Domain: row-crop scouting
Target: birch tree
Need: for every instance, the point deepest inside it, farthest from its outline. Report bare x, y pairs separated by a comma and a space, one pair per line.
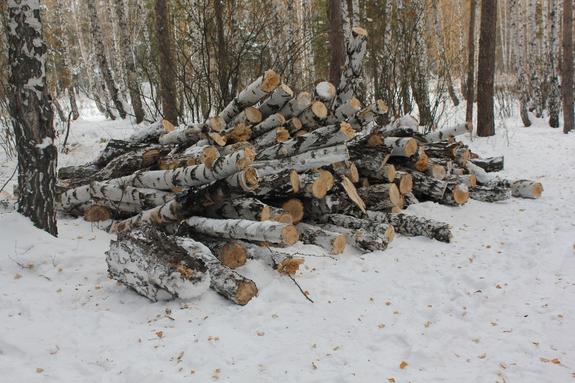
32, 114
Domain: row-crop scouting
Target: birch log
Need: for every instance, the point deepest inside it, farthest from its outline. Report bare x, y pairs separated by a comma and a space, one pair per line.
373, 236
444, 134
271, 122
320, 138
296, 106
324, 91
257, 90
526, 189
280, 260
275, 102
223, 280
492, 192
153, 265
345, 111
241, 208
268, 231
491, 164
191, 134
410, 225
334, 243
313, 116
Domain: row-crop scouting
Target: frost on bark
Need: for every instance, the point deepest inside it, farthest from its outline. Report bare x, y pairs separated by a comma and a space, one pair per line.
129, 62
100, 53
32, 115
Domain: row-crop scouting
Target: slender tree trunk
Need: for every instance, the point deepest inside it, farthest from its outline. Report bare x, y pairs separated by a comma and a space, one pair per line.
32, 114
567, 67
98, 40
168, 89
336, 40
67, 74
442, 52
471, 63
129, 63
222, 59
486, 69
419, 78
554, 96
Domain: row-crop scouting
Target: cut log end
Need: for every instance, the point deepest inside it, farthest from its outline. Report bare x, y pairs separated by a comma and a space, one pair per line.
411, 147
422, 162
240, 133
282, 218
395, 195
97, 213
319, 110
233, 255
218, 138
381, 106
339, 243
253, 115
209, 155
168, 126
245, 291
347, 129
250, 178
359, 31
248, 158
294, 181
295, 208
270, 81
290, 265
389, 233
327, 178
405, 183
289, 235
282, 134
216, 124
460, 194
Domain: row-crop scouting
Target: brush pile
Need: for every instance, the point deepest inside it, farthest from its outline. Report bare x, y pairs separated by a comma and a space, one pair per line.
192, 203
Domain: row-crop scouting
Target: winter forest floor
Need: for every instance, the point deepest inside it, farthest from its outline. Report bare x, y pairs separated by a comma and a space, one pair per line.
496, 305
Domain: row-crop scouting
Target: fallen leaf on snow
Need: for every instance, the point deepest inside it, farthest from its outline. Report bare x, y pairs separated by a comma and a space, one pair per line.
160, 334
403, 364
39, 370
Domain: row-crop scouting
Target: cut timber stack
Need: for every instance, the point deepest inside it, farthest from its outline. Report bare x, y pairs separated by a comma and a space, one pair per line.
192, 204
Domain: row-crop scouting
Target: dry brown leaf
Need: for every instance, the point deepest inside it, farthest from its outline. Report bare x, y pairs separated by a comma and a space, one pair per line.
160, 334
39, 370
403, 364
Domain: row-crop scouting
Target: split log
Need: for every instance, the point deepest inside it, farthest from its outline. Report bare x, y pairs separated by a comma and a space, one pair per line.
268, 231
490, 164
410, 225
155, 266
313, 116
189, 135
444, 134
492, 192
296, 105
325, 91
309, 160
257, 90
275, 102
325, 136
223, 280
334, 243
284, 263
526, 189
271, 122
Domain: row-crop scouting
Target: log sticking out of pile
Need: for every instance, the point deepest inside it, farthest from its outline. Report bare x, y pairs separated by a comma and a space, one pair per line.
273, 168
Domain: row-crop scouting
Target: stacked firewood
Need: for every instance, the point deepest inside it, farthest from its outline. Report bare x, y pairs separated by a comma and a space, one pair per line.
192, 203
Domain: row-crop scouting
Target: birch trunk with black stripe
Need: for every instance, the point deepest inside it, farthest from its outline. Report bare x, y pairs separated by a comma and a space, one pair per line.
367, 115
189, 135
296, 105
428, 187
223, 280
309, 160
313, 116
275, 102
351, 83
268, 231
243, 208
194, 155
271, 138
155, 266
526, 189
411, 226
251, 95
490, 164
491, 192
271, 122
345, 111
381, 197
320, 138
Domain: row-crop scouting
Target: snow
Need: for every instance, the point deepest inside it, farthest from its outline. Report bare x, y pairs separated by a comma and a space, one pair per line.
496, 305
46, 142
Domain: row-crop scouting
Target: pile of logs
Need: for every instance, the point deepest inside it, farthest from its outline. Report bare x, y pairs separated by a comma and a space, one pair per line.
191, 204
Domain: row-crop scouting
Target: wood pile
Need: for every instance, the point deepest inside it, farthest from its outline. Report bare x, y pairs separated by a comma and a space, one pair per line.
190, 204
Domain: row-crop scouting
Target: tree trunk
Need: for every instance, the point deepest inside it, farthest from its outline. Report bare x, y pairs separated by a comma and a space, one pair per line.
471, 64
129, 63
168, 90
567, 67
32, 115
98, 40
336, 40
410, 225
486, 69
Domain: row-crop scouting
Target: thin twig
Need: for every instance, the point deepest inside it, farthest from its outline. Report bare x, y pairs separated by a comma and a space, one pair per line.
290, 277
9, 179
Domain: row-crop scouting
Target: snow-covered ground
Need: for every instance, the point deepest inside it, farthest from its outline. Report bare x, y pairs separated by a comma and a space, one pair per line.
496, 305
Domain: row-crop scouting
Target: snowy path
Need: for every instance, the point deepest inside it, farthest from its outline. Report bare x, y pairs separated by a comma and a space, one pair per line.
497, 305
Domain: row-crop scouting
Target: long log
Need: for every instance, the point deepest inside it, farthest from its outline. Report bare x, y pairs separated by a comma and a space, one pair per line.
490, 164
444, 134
224, 280
373, 236
491, 192
188, 135
410, 225
296, 106
241, 208
155, 266
275, 102
268, 231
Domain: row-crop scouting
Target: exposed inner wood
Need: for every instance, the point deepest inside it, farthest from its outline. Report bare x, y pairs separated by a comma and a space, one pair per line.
295, 208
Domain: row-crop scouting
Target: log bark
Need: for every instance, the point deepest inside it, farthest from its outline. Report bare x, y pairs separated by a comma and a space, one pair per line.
490, 164
271, 122
526, 189
368, 235
381, 197
223, 280
490, 193
313, 116
296, 106
326, 136
241, 208
350, 83
428, 188
410, 225
309, 160
444, 134
191, 134
275, 102
273, 137
334, 243
249, 116
194, 155
368, 115
344, 112
155, 266
254, 92
268, 231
